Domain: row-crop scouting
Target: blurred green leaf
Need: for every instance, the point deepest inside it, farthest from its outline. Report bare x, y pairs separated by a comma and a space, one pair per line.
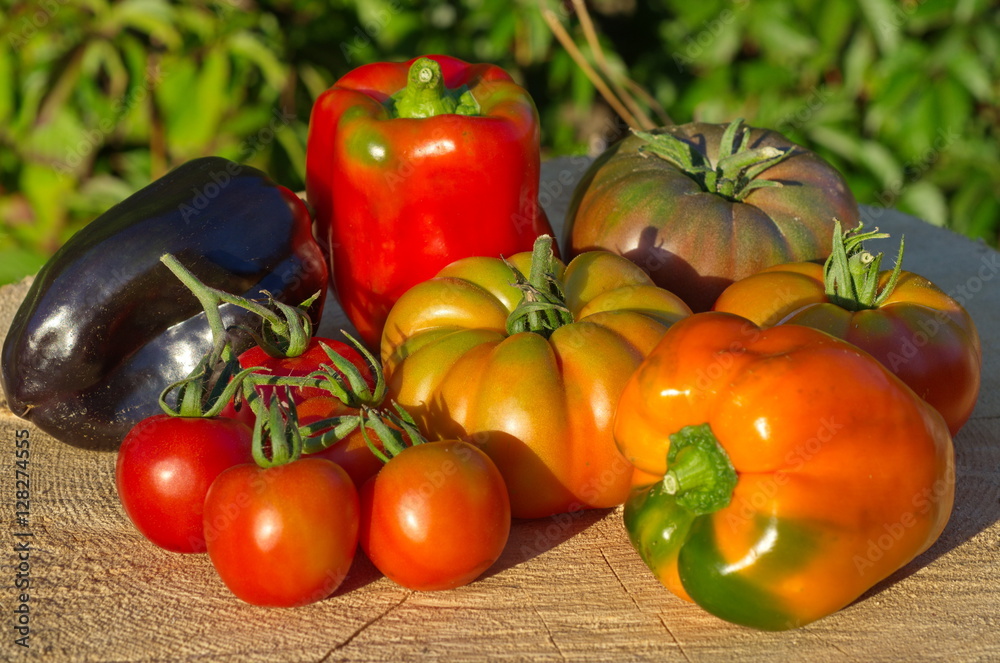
155, 18
846, 144
880, 162
6, 84
885, 21
17, 262
248, 45
46, 192
925, 201
858, 60
972, 73
195, 97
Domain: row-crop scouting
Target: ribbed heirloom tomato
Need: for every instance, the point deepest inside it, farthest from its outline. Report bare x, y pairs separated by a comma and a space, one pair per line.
921, 334
530, 369
701, 205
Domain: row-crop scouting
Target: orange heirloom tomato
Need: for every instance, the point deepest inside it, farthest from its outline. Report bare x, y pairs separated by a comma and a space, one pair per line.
921, 334
530, 369
794, 471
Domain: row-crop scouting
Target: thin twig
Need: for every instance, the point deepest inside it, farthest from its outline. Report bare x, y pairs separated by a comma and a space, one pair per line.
560, 32
651, 101
602, 62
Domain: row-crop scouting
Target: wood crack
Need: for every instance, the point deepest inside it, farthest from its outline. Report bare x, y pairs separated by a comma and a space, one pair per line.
548, 632
364, 627
666, 627
842, 652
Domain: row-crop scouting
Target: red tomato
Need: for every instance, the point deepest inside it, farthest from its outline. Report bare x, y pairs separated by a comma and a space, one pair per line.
282, 536
352, 452
298, 366
436, 516
164, 469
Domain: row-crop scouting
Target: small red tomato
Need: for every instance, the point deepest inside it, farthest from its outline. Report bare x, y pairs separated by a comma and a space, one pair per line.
298, 366
285, 535
164, 469
351, 452
436, 516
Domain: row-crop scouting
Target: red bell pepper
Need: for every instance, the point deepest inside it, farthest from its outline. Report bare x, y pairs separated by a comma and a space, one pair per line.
411, 166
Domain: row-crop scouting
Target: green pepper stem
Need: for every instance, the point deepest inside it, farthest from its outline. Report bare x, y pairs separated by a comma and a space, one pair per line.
699, 472
692, 470
425, 94
851, 274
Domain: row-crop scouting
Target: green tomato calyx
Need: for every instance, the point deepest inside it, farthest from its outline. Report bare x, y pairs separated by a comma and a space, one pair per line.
699, 474
542, 308
425, 94
851, 274
403, 432
733, 176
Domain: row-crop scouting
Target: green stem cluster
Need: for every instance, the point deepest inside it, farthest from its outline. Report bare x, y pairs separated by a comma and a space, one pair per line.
542, 308
286, 330
340, 379
277, 425
734, 175
851, 274
207, 390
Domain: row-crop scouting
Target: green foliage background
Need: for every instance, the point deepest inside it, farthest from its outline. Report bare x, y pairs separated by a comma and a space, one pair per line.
99, 97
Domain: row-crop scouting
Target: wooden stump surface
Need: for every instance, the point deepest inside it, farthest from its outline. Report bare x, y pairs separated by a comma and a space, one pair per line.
568, 587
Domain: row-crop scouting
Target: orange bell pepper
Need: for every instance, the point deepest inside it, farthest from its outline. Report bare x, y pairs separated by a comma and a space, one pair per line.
795, 471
